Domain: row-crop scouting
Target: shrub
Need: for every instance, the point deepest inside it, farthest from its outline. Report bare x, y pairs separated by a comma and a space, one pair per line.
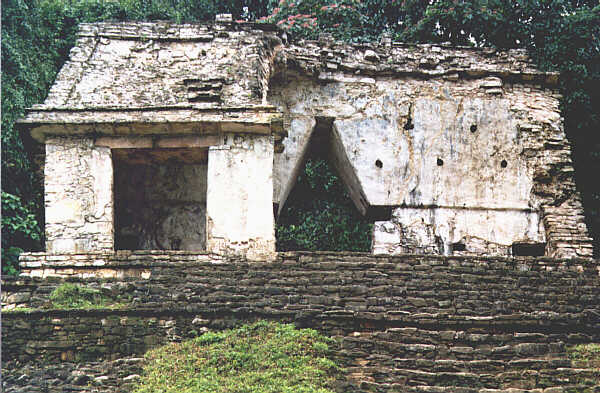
320, 216
265, 357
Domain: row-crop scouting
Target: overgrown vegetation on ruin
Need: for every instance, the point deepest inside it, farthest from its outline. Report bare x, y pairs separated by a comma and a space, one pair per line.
320, 215
586, 356
562, 35
71, 296
263, 357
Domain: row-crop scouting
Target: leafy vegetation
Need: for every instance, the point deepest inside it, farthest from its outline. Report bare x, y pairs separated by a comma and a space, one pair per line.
319, 214
69, 296
561, 35
261, 358
586, 355
21, 228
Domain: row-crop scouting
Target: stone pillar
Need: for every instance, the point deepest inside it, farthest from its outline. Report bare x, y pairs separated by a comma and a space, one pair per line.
78, 196
239, 201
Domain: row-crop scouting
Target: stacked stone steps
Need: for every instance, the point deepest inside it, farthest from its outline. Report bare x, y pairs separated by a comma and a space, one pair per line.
506, 348
400, 388
407, 324
523, 379
116, 376
413, 359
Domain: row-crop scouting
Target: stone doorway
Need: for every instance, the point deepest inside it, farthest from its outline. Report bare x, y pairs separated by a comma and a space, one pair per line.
160, 198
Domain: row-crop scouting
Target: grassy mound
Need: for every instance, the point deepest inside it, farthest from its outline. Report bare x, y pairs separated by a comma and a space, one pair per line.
265, 357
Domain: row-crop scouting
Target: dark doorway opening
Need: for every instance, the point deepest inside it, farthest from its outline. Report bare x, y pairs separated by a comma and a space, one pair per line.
160, 199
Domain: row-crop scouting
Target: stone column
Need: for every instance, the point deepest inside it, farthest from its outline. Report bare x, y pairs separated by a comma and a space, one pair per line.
239, 201
78, 196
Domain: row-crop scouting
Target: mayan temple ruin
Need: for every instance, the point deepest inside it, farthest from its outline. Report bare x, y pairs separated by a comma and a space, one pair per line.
170, 151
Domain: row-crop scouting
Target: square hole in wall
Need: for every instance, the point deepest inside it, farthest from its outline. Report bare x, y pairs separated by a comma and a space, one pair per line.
160, 199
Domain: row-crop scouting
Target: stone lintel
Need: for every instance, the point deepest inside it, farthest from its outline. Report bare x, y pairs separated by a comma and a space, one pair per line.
158, 142
151, 121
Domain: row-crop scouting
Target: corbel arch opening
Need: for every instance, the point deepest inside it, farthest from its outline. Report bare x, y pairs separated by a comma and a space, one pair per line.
323, 206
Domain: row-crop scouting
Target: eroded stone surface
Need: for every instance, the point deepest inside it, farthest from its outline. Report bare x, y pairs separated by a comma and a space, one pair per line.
78, 196
458, 161
239, 197
466, 146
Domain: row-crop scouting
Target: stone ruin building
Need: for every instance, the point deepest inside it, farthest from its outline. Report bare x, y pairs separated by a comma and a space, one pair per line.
170, 151
191, 137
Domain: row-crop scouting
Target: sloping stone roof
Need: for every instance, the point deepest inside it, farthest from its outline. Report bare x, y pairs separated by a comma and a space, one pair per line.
201, 79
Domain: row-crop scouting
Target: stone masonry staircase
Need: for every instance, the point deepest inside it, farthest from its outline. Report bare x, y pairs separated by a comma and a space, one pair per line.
402, 324
420, 360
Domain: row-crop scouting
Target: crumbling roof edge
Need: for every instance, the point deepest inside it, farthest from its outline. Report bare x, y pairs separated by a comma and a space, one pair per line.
166, 30
172, 31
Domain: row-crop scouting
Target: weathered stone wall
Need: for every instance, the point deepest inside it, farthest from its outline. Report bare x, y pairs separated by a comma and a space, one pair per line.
160, 206
400, 322
160, 64
466, 153
117, 376
377, 356
78, 191
239, 199
363, 285
464, 145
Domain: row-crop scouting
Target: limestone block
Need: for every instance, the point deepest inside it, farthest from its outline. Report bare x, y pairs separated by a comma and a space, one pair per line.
78, 196
240, 196
437, 230
438, 159
65, 211
288, 164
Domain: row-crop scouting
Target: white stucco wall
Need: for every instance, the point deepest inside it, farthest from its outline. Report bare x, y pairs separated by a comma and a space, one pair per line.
78, 196
239, 200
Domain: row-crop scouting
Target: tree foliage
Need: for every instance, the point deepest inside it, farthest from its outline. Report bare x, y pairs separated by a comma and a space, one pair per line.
561, 35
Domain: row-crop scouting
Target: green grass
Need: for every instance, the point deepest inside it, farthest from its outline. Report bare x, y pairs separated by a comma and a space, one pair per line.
265, 357
70, 296
585, 355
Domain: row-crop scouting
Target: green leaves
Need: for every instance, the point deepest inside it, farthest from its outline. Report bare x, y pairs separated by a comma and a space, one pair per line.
19, 228
319, 215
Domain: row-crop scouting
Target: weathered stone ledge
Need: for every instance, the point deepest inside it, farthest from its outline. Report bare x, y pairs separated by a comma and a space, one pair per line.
183, 120
149, 258
340, 285
389, 356
167, 31
578, 325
